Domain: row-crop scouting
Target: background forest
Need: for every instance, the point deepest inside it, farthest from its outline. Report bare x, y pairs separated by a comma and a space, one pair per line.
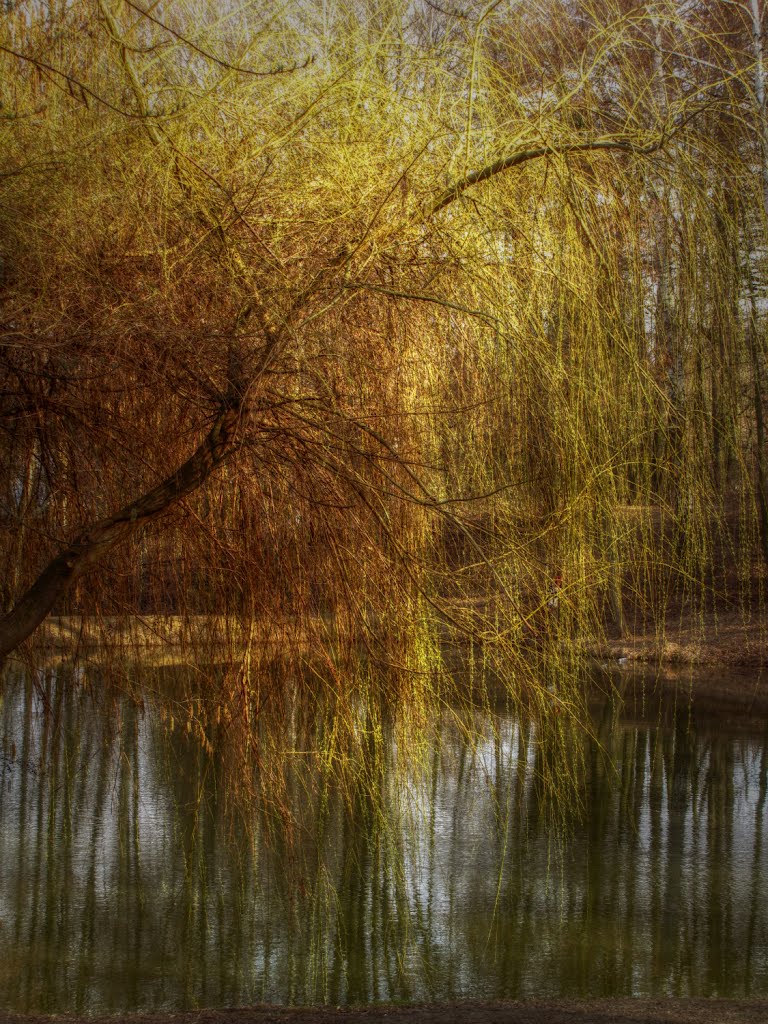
378, 325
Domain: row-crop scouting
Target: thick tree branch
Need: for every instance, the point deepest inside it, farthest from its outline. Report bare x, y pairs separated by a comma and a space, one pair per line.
96, 541
522, 156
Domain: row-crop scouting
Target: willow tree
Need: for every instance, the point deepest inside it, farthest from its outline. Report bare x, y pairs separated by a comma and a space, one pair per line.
326, 314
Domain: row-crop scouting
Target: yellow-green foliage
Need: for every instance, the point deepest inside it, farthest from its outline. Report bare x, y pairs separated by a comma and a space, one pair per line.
513, 262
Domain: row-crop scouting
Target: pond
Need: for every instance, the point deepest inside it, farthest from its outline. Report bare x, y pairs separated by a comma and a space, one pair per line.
125, 885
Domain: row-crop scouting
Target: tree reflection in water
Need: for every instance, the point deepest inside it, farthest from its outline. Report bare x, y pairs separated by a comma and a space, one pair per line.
124, 885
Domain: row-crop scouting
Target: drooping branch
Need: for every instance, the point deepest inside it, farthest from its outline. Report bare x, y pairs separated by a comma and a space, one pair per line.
271, 72
77, 87
522, 156
97, 540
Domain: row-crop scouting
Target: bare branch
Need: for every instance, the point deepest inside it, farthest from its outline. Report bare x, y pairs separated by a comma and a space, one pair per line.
76, 83
238, 68
522, 156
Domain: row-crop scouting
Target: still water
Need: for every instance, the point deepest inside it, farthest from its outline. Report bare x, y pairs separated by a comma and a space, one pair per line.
124, 885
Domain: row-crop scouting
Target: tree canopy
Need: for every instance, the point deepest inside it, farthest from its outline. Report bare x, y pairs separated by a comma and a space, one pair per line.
381, 321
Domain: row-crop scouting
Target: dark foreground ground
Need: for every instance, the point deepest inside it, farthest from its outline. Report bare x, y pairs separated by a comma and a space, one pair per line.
563, 1011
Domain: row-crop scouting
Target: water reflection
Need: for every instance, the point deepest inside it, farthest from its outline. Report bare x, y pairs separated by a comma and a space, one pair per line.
123, 885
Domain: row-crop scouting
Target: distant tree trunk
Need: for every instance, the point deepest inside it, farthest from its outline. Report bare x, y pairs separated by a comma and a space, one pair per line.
752, 330
95, 541
758, 43
667, 349
758, 46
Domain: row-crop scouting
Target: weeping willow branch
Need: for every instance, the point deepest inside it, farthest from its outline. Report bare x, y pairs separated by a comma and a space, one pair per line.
522, 156
94, 543
355, 418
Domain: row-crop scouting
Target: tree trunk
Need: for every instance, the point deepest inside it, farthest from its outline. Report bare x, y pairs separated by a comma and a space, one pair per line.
94, 542
25, 500
758, 48
752, 330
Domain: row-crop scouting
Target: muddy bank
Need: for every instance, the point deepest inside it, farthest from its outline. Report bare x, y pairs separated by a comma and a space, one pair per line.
717, 661
725, 638
708, 665
681, 691
564, 1011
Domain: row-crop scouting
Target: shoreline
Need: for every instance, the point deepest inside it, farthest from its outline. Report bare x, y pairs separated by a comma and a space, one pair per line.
711, 665
713, 640
723, 638
717, 661
715, 665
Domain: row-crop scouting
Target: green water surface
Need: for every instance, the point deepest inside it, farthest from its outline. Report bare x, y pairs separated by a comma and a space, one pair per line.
125, 884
